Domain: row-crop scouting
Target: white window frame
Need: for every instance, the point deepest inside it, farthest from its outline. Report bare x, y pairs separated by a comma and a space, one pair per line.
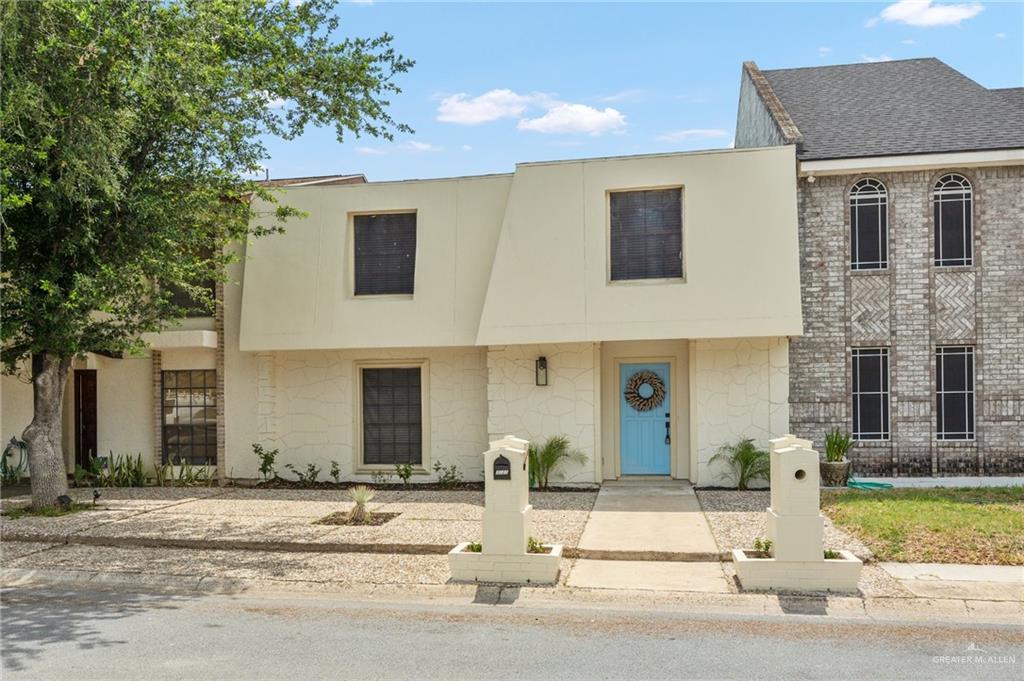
424, 367
971, 414
953, 187
882, 395
869, 192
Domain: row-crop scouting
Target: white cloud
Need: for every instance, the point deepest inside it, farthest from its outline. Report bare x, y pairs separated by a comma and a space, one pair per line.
926, 13
875, 60
575, 118
824, 50
467, 147
1000, 36
490, 106
623, 96
412, 145
692, 134
361, 2
909, 41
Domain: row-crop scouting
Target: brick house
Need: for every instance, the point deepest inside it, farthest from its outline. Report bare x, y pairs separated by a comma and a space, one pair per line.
911, 221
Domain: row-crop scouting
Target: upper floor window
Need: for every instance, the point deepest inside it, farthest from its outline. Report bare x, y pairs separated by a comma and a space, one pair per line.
869, 225
954, 392
385, 253
952, 199
647, 234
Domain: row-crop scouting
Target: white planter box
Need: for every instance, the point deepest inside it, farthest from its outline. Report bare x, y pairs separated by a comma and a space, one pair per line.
834, 574
525, 568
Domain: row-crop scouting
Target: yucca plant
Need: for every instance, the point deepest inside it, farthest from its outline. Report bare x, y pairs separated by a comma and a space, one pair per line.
361, 495
748, 463
837, 444
544, 459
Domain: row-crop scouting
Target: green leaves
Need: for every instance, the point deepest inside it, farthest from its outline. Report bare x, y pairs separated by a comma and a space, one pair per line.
746, 462
130, 134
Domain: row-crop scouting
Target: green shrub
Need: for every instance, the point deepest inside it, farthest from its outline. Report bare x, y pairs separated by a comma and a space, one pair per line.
746, 461
308, 477
404, 472
266, 457
545, 458
535, 546
830, 554
763, 545
447, 476
474, 547
837, 444
335, 472
119, 470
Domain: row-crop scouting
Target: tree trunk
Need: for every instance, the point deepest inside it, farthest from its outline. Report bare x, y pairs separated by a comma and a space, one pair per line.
43, 435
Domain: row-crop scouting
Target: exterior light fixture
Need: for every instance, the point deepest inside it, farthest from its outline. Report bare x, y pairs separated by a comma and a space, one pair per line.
542, 371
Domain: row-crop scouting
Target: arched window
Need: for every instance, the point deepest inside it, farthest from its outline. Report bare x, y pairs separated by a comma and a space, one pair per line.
869, 225
951, 200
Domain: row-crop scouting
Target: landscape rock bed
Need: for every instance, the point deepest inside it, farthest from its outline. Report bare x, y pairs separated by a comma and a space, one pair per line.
738, 518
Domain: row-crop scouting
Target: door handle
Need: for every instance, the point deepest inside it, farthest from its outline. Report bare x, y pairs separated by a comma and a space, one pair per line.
668, 428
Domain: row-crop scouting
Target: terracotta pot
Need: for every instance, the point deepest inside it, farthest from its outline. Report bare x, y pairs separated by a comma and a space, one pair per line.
835, 474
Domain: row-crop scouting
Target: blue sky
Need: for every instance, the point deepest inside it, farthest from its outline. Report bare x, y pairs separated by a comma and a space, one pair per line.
496, 84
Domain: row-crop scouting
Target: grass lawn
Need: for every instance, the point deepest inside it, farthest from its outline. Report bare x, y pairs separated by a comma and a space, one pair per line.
981, 526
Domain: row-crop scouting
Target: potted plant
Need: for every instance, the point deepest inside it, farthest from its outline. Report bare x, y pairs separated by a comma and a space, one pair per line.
835, 469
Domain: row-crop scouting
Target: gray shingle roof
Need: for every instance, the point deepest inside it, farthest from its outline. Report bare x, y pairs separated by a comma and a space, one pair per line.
915, 106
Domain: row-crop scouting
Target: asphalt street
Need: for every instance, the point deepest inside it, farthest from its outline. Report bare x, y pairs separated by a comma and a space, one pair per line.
85, 633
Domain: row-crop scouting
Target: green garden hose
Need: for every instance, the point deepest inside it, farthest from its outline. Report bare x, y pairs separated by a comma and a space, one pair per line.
860, 484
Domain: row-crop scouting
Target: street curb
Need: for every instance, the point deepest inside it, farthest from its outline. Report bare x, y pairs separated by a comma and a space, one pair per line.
751, 605
336, 547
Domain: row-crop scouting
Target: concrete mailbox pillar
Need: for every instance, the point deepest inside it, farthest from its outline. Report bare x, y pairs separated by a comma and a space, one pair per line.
796, 528
795, 524
507, 525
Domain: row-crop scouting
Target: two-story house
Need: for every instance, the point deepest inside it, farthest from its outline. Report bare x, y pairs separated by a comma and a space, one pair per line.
856, 262
911, 200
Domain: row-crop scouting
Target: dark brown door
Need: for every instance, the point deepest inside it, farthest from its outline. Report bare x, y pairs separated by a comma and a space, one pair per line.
85, 416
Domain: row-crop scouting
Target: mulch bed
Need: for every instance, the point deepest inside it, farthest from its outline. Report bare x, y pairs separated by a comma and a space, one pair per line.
281, 483
341, 518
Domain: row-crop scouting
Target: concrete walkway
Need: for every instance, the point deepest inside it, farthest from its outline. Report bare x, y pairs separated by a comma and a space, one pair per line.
650, 535
948, 580
647, 520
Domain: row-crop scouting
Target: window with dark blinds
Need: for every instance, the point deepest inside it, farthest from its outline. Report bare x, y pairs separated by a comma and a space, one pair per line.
647, 234
385, 253
954, 378
392, 416
189, 416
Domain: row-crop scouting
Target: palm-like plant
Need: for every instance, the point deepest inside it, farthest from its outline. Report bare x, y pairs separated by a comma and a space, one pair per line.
361, 495
748, 463
547, 457
837, 444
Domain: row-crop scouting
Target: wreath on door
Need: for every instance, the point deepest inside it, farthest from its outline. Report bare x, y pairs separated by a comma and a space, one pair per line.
644, 391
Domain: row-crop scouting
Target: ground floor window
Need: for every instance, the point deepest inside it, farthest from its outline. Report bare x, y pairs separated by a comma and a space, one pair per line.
189, 416
871, 393
392, 415
954, 388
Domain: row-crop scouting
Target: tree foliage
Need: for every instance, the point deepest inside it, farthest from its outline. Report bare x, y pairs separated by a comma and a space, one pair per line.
129, 132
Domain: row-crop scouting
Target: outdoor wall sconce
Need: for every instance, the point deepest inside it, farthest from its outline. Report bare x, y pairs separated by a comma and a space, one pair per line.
542, 371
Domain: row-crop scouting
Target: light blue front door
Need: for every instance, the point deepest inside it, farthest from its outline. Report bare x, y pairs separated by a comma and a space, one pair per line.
644, 419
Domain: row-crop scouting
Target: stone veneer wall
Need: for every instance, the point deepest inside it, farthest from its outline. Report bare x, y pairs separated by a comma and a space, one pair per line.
568, 405
305, 403
740, 389
910, 308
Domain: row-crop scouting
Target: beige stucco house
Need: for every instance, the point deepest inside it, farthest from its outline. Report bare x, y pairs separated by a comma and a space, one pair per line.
640, 305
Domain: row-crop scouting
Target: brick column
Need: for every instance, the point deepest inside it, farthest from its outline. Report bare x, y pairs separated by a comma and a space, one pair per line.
158, 407
218, 326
